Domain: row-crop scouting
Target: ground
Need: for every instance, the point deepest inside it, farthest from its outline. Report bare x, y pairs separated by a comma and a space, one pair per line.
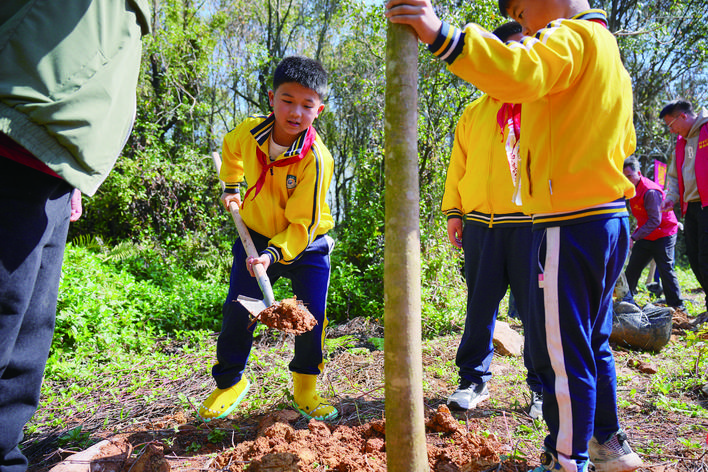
265, 434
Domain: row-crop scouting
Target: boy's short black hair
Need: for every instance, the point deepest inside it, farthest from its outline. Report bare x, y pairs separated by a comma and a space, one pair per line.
304, 71
507, 30
631, 162
503, 5
681, 105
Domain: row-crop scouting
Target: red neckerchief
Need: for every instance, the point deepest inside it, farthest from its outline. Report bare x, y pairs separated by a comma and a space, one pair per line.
510, 111
266, 163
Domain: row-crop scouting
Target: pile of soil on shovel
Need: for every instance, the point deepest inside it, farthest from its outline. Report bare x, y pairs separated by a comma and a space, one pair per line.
289, 316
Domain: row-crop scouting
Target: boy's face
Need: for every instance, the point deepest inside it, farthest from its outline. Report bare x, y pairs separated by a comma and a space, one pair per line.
295, 108
534, 15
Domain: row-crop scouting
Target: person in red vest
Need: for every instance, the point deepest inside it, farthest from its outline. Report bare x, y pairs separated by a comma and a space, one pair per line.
655, 236
687, 180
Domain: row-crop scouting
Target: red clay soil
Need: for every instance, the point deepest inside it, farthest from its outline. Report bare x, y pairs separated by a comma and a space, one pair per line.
279, 445
289, 316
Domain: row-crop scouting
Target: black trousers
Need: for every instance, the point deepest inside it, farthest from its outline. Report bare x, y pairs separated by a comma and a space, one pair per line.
34, 220
695, 227
662, 251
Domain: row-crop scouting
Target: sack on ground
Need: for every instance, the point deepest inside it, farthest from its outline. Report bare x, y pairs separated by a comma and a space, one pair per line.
647, 329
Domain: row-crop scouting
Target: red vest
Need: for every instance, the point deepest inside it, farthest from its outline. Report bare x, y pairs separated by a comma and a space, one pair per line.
701, 166
669, 223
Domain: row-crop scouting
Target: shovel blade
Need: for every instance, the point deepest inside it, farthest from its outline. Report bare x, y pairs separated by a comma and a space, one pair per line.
254, 306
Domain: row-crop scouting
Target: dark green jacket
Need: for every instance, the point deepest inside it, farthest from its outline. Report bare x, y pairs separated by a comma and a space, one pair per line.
68, 74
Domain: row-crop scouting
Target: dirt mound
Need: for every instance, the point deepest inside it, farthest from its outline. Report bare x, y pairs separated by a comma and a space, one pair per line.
279, 446
289, 316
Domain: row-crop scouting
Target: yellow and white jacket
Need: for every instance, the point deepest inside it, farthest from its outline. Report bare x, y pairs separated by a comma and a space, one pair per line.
290, 208
576, 114
479, 186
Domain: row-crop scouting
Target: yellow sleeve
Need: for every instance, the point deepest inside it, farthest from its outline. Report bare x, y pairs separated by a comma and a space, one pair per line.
514, 72
232, 159
452, 200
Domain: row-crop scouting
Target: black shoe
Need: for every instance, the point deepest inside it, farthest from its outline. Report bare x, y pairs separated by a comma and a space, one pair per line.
655, 288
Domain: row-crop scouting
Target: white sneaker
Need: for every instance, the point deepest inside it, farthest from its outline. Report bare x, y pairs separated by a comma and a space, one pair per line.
614, 455
536, 407
467, 395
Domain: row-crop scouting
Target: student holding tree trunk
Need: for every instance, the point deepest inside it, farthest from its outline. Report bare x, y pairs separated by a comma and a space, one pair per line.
484, 221
288, 170
576, 111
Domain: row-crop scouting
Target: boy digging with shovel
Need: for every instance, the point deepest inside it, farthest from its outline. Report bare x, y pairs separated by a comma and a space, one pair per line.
288, 170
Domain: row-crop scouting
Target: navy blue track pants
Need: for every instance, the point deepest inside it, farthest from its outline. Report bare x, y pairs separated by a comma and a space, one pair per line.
495, 259
569, 332
309, 275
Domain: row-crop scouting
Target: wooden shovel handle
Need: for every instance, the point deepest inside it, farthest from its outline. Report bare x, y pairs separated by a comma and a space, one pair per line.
245, 235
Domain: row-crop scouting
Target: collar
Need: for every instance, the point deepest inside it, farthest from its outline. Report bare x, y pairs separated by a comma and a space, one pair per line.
261, 132
595, 15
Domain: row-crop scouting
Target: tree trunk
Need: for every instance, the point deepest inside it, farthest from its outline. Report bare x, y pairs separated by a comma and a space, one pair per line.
405, 427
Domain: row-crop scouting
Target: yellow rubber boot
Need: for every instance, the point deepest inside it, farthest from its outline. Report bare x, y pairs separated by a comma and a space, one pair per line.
308, 402
222, 402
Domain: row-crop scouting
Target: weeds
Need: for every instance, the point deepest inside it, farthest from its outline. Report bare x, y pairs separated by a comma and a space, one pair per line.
75, 438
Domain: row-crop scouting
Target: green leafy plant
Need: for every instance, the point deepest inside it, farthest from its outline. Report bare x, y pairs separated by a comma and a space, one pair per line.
216, 436
194, 447
75, 437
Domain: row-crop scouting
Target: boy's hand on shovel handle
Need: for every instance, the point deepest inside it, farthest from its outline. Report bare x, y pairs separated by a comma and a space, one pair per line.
227, 198
263, 260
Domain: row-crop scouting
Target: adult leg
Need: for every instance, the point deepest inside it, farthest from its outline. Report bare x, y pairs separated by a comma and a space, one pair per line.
702, 262
639, 257
663, 253
692, 234
34, 220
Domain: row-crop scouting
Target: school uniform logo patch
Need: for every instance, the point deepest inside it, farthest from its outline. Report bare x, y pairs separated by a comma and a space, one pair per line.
291, 181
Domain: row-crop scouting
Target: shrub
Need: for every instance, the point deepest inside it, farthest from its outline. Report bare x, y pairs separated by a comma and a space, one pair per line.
108, 302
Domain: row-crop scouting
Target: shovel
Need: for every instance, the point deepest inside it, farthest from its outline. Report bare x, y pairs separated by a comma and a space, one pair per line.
254, 306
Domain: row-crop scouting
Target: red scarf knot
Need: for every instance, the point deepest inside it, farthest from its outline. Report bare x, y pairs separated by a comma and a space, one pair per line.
266, 164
